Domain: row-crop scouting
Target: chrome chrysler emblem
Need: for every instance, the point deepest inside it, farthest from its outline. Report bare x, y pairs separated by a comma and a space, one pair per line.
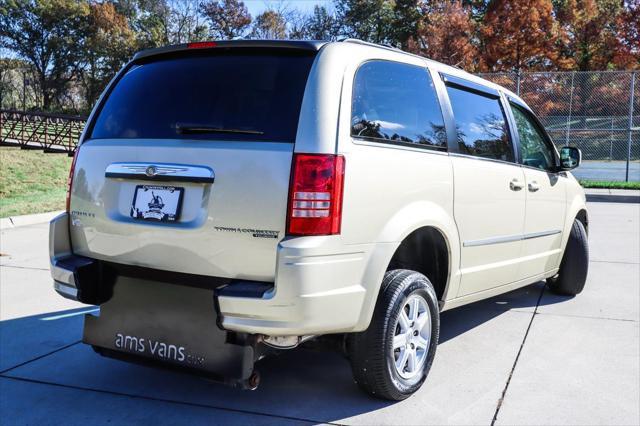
151, 171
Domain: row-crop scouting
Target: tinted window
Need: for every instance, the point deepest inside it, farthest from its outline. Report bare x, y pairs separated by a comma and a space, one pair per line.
480, 125
256, 93
533, 148
395, 102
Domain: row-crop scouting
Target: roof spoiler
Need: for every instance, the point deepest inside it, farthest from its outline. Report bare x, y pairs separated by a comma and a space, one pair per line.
280, 44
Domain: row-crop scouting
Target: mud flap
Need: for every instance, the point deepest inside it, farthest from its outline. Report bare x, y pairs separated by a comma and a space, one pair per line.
171, 325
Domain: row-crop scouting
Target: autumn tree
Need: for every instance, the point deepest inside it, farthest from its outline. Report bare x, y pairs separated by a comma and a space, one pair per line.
627, 55
446, 33
227, 19
270, 24
519, 35
590, 34
109, 45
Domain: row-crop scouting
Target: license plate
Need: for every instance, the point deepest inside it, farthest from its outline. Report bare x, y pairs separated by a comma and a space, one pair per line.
159, 203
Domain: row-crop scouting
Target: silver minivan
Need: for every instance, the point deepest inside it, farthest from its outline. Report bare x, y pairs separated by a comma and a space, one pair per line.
230, 199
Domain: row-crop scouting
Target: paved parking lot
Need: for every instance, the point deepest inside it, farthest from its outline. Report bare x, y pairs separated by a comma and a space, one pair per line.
527, 357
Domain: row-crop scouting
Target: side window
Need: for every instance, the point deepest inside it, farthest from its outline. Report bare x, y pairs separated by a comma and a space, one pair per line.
481, 126
534, 151
396, 103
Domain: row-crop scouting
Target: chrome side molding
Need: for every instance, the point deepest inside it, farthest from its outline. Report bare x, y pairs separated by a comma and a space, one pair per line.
160, 172
509, 238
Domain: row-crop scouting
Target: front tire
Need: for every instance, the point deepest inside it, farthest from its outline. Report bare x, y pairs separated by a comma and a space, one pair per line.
391, 359
572, 277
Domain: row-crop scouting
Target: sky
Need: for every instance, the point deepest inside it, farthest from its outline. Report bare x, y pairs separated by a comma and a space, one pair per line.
258, 6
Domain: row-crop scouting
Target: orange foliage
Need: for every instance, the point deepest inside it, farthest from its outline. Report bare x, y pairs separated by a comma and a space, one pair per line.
627, 56
446, 34
519, 35
592, 33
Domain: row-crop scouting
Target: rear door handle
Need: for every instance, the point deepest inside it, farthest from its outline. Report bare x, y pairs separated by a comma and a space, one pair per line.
533, 186
516, 185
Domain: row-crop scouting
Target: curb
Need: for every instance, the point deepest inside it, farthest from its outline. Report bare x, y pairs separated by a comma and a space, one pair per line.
28, 219
598, 195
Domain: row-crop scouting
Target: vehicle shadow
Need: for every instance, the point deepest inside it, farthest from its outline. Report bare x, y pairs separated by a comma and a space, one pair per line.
299, 384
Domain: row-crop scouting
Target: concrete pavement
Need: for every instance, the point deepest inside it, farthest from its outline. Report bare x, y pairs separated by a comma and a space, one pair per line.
526, 357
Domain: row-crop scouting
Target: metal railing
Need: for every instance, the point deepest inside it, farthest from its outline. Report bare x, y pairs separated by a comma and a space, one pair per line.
37, 130
597, 111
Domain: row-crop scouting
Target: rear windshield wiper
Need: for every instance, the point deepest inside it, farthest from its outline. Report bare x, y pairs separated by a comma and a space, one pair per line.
186, 129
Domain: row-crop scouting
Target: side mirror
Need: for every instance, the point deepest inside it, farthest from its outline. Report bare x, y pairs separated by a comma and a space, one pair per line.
570, 157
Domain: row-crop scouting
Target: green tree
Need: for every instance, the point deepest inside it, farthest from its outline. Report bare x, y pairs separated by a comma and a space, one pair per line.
320, 25
150, 20
50, 35
369, 20
406, 16
227, 18
13, 73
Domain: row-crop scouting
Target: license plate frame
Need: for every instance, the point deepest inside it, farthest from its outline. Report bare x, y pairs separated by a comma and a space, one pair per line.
155, 209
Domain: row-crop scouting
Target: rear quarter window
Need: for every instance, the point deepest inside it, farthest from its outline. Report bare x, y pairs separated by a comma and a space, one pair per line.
396, 103
247, 95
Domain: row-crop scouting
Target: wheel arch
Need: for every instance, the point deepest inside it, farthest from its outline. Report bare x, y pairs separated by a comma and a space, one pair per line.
576, 210
583, 217
425, 250
415, 221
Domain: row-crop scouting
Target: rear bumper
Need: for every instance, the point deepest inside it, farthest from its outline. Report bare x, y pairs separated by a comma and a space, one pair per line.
319, 289
320, 285
64, 281
75, 277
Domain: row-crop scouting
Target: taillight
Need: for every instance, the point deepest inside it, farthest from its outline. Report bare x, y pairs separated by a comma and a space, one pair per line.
70, 178
315, 194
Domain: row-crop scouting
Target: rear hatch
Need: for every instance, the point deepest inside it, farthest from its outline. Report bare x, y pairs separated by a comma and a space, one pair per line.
186, 165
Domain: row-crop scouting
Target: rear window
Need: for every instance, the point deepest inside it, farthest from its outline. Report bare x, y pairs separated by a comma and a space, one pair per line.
228, 95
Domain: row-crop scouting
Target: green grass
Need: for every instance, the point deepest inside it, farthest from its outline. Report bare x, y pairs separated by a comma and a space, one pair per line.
609, 184
32, 181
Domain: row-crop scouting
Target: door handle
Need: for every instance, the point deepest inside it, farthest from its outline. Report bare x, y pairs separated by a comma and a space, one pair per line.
533, 186
515, 185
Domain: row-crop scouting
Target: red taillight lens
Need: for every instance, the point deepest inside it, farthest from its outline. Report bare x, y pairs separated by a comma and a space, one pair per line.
70, 178
315, 194
201, 45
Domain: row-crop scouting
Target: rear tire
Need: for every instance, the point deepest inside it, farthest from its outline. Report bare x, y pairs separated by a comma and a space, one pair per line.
572, 277
391, 359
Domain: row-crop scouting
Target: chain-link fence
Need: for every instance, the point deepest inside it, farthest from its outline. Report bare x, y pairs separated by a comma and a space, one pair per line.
599, 112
